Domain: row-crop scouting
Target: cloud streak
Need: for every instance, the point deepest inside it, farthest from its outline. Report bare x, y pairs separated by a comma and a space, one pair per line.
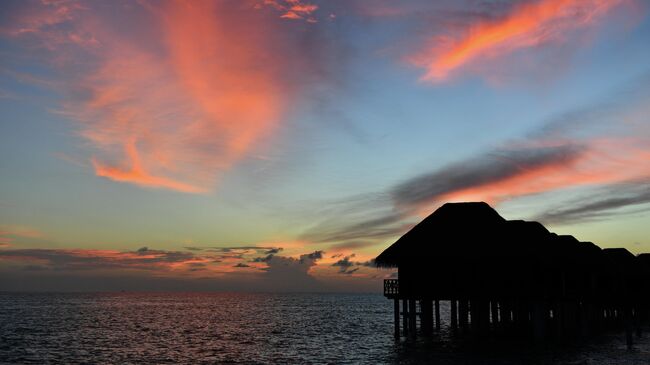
526, 25
180, 95
606, 202
495, 168
278, 271
604, 146
10, 233
79, 259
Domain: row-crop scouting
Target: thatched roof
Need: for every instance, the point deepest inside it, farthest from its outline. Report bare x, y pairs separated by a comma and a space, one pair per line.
457, 222
476, 231
618, 256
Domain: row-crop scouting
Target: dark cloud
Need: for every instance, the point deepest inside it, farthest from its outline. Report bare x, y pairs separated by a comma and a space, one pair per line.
491, 167
226, 255
344, 264
239, 248
93, 270
380, 227
560, 141
34, 268
263, 258
351, 245
197, 266
249, 253
312, 257
347, 266
352, 229
60, 259
604, 203
291, 274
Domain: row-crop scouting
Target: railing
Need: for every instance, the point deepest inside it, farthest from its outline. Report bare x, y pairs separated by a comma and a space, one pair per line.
391, 287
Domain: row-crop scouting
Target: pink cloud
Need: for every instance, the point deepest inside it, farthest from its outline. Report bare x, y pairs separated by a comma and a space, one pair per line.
9, 234
604, 161
178, 97
293, 9
527, 25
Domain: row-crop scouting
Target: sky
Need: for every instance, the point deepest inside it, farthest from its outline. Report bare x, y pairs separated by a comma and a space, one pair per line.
281, 145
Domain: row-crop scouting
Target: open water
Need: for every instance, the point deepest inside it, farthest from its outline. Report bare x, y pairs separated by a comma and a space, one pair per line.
214, 328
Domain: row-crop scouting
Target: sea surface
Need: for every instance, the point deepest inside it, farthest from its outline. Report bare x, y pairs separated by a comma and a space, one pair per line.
198, 328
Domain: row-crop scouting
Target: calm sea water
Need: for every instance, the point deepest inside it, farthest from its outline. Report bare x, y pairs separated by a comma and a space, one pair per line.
120, 328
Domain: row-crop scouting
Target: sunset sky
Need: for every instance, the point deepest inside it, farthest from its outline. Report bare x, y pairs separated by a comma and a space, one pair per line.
282, 144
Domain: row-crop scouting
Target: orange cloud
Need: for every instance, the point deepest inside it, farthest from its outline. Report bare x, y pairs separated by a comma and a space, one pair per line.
35, 19
180, 95
528, 25
604, 161
9, 233
135, 173
208, 262
157, 262
292, 9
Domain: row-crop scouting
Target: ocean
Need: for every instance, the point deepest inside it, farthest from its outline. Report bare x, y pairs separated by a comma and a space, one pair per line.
238, 328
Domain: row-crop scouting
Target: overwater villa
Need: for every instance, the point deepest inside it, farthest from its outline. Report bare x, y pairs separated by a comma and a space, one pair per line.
511, 277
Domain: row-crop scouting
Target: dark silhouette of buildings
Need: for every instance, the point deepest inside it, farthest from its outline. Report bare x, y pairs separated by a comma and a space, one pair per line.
511, 278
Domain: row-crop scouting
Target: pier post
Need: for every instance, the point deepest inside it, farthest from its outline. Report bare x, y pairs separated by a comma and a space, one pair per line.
412, 319
396, 317
474, 316
540, 314
484, 316
637, 321
426, 318
463, 312
494, 308
405, 316
585, 322
570, 316
504, 315
437, 303
629, 327
453, 314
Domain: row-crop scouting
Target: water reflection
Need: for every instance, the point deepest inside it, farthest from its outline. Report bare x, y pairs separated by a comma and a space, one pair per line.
248, 328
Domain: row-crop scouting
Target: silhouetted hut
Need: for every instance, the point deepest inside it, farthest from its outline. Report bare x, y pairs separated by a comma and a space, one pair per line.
507, 277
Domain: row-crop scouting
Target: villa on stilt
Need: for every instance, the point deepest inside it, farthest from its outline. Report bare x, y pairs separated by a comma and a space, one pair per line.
511, 277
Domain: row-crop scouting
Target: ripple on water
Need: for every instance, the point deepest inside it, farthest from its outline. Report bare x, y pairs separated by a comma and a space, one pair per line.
245, 328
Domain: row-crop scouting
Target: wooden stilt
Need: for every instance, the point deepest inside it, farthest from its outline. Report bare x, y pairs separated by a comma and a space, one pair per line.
539, 321
425, 316
474, 314
405, 316
396, 317
494, 308
453, 314
504, 315
484, 317
585, 323
629, 327
637, 322
412, 318
437, 303
463, 312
